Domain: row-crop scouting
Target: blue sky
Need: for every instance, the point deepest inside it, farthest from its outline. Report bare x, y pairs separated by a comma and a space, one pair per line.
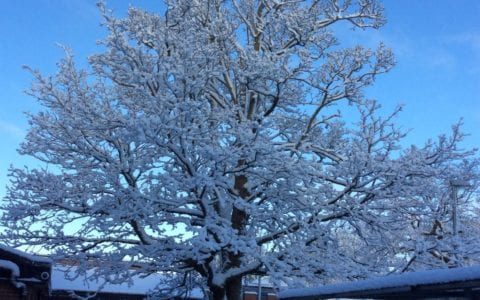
436, 42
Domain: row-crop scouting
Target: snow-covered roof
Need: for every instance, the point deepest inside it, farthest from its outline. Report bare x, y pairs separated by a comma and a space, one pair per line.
61, 280
31, 257
412, 279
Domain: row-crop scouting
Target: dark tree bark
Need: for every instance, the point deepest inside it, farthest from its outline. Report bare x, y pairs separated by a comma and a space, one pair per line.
234, 289
217, 293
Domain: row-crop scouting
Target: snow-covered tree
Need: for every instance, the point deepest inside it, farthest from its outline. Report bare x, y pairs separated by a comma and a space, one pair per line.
444, 232
209, 144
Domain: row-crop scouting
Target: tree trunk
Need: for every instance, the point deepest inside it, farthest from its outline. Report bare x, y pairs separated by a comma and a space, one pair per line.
217, 293
234, 289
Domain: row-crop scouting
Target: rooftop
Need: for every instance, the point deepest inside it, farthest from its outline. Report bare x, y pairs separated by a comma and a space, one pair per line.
463, 281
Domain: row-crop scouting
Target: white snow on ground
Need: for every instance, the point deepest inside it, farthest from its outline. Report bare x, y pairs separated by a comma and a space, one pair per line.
25, 255
9, 265
61, 280
393, 281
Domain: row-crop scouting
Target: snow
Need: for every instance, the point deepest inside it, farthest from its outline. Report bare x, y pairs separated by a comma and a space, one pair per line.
438, 276
62, 279
9, 265
13, 267
30, 257
272, 158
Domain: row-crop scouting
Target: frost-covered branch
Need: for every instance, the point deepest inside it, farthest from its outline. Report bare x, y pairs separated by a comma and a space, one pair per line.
208, 144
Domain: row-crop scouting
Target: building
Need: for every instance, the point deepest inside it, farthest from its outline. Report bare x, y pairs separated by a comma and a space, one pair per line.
23, 276
455, 283
30, 277
253, 286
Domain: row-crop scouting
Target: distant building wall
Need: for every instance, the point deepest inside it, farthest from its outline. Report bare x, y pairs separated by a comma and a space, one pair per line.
251, 294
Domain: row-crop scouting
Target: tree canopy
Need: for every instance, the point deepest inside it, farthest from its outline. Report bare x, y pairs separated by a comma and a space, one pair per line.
208, 143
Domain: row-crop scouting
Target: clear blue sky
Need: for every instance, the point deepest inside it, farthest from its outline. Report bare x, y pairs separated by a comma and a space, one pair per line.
437, 78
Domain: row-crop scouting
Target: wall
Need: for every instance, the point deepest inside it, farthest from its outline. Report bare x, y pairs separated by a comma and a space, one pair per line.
8, 292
